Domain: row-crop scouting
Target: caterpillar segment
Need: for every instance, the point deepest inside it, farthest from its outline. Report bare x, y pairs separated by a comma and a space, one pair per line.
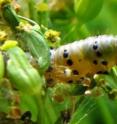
81, 59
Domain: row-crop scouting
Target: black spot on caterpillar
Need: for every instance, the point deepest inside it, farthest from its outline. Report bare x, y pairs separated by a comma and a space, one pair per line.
65, 54
85, 57
69, 62
95, 62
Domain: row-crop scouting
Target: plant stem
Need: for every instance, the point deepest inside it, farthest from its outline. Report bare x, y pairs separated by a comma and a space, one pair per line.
32, 10
27, 19
46, 113
42, 117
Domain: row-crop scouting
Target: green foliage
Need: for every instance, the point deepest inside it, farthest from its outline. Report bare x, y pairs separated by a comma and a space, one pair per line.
87, 10
37, 45
24, 66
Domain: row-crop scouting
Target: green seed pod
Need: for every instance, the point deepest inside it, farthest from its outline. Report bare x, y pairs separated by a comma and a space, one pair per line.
36, 44
1, 66
21, 73
87, 10
31, 36
10, 16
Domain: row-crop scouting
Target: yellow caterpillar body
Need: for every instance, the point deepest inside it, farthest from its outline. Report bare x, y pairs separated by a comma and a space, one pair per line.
83, 58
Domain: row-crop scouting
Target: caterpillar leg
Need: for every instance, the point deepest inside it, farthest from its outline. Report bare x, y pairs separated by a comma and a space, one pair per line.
57, 74
62, 74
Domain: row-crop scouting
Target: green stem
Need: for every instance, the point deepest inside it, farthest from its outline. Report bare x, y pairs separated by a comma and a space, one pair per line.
43, 17
108, 119
32, 10
27, 19
50, 109
42, 115
46, 112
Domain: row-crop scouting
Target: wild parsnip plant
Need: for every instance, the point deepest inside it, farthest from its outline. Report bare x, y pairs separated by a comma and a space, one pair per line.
46, 79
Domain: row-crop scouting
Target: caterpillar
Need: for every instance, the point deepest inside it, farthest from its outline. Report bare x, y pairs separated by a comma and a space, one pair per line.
81, 59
